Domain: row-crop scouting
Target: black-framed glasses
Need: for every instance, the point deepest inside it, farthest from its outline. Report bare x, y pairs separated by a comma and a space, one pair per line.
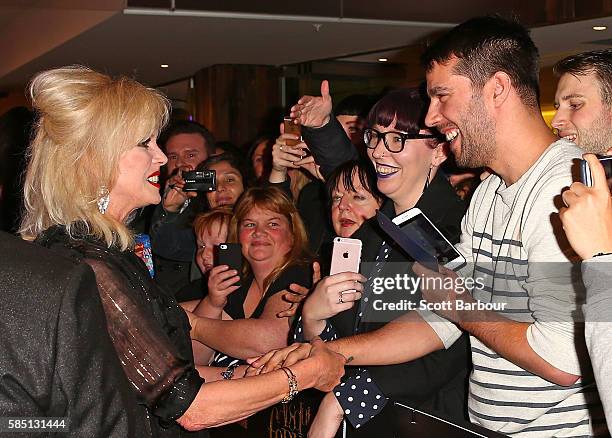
394, 141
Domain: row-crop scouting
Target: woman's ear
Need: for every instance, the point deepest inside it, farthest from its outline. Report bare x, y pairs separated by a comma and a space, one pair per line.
440, 154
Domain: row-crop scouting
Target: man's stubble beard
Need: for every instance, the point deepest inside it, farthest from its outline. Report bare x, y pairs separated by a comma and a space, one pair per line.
597, 139
477, 136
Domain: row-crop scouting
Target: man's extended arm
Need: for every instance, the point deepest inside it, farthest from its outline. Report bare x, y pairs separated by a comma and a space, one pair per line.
388, 344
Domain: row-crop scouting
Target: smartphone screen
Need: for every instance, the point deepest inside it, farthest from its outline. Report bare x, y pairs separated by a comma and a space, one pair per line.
429, 239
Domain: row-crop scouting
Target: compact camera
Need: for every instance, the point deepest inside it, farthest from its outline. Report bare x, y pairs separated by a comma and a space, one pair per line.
200, 181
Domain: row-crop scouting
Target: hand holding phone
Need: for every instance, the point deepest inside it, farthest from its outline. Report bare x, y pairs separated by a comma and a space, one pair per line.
346, 255
585, 170
587, 219
174, 195
337, 292
229, 254
292, 128
224, 278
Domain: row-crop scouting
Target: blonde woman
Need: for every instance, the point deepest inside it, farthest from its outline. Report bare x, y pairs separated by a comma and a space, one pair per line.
94, 160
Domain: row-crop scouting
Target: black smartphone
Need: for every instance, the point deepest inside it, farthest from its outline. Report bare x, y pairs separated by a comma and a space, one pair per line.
585, 170
229, 254
200, 181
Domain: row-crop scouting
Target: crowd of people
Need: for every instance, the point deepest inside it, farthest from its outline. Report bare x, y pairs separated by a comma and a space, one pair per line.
193, 346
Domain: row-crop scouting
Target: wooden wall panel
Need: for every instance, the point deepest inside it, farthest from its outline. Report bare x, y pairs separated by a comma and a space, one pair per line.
234, 101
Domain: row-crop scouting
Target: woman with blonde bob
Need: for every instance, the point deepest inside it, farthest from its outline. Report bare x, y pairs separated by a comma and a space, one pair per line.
275, 249
94, 160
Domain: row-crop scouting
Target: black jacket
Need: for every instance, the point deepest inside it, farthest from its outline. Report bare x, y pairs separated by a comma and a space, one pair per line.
149, 330
329, 145
173, 243
56, 358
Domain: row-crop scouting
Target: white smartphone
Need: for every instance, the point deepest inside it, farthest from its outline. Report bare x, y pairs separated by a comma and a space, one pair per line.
425, 234
346, 255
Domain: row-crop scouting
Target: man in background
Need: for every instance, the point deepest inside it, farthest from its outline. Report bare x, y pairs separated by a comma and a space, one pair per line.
584, 100
187, 144
352, 112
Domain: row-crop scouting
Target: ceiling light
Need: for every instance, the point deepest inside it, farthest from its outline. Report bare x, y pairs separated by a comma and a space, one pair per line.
600, 27
164, 66
383, 59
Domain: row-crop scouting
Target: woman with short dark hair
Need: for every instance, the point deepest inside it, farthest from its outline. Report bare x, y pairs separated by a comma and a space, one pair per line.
353, 196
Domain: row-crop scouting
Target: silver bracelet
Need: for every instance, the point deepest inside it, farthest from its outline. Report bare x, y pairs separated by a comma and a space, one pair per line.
293, 386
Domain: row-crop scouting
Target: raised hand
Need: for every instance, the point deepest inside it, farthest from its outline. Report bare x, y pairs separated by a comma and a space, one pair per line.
332, 295
297, 293
221, 282
174, 196
313, 111
285, 156
310, 166
587, 220
435, 291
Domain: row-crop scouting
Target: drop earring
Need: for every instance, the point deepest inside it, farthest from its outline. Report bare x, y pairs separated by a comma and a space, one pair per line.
427, 180
103, 199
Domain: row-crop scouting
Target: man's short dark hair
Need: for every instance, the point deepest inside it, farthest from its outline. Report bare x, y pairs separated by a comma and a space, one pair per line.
486, 45
177, 127
354, 105
598, 62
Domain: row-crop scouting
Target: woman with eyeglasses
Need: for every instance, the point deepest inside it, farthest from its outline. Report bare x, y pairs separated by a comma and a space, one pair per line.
406, 156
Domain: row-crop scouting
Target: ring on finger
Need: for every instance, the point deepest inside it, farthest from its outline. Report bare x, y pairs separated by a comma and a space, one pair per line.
340, 300
281, 147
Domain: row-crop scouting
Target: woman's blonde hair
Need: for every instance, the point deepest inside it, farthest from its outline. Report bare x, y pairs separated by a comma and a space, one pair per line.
273, 199
86, 121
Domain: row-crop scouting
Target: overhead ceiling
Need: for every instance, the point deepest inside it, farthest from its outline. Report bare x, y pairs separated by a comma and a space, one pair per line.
109, 36
554, 42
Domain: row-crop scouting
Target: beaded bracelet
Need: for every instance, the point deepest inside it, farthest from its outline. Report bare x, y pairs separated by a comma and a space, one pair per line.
293, 386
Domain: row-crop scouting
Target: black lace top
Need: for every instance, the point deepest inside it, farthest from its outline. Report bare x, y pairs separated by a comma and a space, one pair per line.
149, 330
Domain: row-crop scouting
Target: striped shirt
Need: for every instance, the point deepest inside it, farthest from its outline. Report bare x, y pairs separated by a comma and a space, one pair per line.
509, 240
